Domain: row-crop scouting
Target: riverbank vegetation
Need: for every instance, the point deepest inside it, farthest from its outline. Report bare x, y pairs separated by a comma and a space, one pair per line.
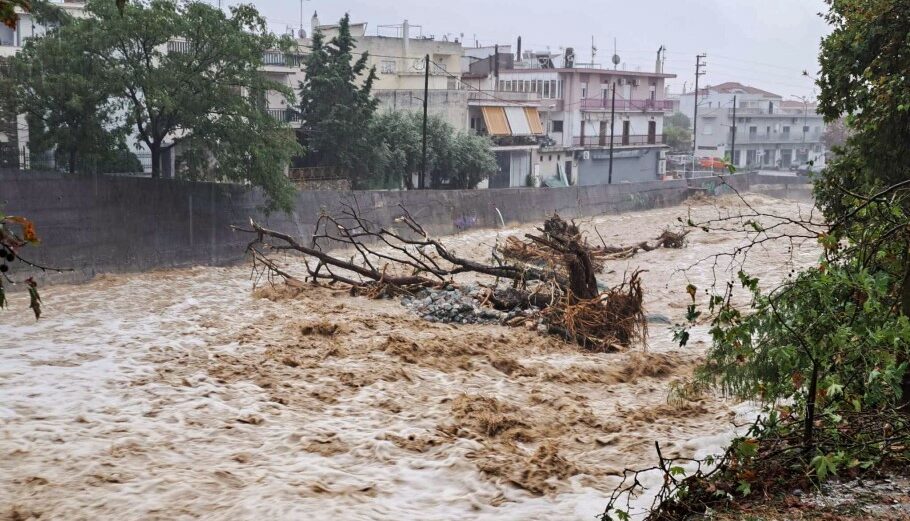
826, 352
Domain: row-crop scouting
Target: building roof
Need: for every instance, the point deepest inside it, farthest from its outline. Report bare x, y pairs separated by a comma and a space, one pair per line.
585, 70
732, 87
790, 104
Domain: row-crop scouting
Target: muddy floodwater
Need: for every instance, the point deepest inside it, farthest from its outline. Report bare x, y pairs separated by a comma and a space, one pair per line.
184, 394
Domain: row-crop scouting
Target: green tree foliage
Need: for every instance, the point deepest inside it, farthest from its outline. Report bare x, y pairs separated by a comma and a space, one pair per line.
835, 339
210, 82
336, 105
69, 112
677, 133
865, 65
679, 120
203, 94
454, 159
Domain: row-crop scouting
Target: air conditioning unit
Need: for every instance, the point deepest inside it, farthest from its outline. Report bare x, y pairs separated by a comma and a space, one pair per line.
586, 155
636, 82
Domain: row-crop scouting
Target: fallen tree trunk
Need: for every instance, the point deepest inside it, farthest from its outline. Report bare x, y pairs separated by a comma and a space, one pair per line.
383, 260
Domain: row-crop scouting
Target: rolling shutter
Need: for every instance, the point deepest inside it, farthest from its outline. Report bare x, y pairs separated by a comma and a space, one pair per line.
495, 120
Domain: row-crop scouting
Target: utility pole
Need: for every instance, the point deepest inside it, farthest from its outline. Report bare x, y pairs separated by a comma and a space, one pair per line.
421, 181
612, 130
733, 145
698, 73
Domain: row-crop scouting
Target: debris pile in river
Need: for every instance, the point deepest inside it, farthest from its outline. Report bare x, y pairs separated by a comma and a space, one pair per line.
549, 282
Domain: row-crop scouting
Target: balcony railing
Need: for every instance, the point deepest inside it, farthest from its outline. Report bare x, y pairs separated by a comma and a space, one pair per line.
626, 104
491, 95
284, 115
789, 112
269, 58
780, 137
280, 59
179, 46
631, 140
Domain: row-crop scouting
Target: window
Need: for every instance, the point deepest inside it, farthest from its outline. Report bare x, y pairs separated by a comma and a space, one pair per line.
708, 130
805, 129
584, 90
786, 130
793, 121
556, 125
387, 67
753, 131
768, 130
546, 89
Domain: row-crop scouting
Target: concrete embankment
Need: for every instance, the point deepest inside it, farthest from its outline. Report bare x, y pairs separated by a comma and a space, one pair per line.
104, 224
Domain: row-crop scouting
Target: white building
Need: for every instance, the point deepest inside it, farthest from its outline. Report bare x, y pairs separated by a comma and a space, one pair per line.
398, 52
770, 132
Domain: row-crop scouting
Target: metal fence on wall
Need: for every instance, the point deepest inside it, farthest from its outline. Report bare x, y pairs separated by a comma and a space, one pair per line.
137, 164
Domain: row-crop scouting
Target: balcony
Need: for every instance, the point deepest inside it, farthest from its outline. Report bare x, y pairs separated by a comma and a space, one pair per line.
496, 95
284, 115
280, 59
780, 137
179, 46
778, 112
627, 105
632, 140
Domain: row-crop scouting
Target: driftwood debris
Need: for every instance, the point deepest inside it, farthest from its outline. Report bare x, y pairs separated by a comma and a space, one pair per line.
380, 261
532, 252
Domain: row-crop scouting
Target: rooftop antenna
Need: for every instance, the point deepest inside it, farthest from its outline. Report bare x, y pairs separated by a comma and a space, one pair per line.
616, 58
593, 52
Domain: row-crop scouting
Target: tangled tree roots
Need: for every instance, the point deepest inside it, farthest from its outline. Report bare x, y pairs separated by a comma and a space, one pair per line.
612, 319
556, 274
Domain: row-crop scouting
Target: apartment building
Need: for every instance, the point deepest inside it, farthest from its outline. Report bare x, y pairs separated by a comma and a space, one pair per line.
771, 132
398, 52
579, 117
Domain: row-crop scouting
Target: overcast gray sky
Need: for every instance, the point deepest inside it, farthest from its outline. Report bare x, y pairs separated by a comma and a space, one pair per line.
763, 43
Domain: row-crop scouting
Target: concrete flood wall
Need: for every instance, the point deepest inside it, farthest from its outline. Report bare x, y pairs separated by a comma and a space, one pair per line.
99, 224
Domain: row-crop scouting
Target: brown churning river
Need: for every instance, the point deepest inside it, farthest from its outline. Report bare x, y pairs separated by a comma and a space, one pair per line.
183, 394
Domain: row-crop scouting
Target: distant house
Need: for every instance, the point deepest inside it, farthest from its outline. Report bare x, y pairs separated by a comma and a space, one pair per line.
575, 102
770, 132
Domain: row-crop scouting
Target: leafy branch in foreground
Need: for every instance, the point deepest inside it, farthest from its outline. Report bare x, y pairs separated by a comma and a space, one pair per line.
11, 244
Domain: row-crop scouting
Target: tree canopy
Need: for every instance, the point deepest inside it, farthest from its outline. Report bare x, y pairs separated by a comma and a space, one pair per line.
170, 75
677, 133
68, 111
336, 105
454, 159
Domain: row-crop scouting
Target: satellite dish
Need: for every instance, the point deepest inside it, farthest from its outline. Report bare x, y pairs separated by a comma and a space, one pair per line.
616, 59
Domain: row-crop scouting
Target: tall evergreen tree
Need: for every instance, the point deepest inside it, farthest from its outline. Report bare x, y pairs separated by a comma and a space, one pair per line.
336, 104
